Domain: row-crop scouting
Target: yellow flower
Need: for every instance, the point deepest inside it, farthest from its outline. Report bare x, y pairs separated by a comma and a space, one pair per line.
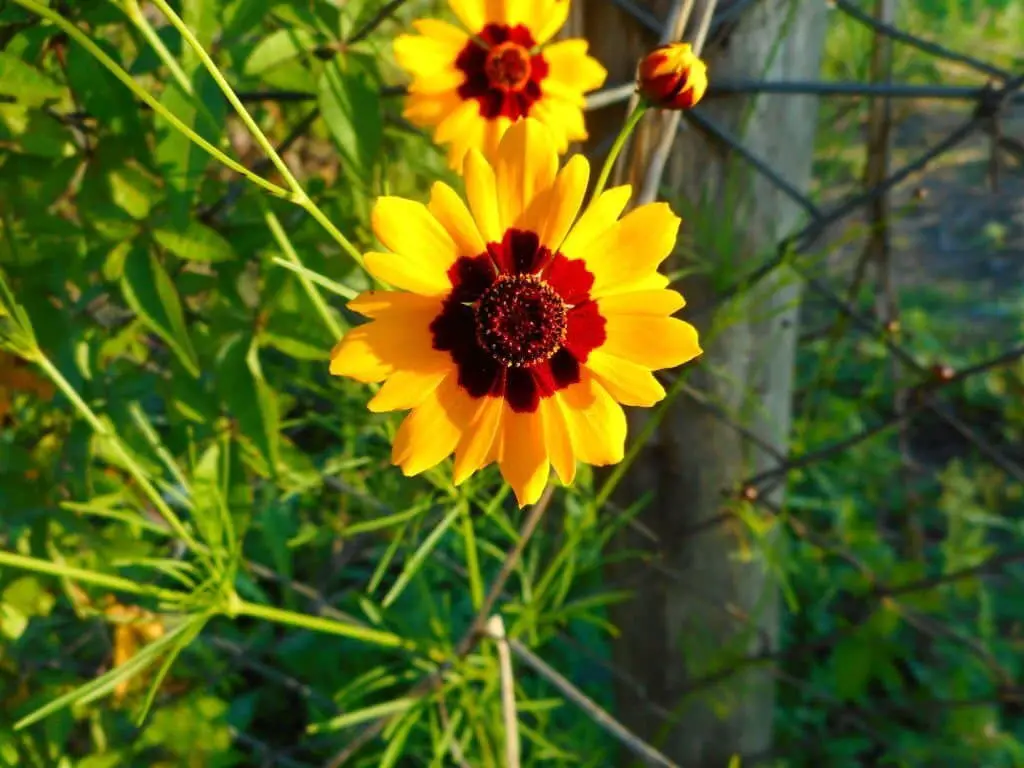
519, 325
473, 83
672, 77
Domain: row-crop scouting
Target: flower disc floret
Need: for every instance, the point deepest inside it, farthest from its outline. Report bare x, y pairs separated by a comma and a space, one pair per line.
520, 321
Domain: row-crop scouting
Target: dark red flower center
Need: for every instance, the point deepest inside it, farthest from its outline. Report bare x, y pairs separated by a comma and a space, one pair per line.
520, 321
501, 71
508, 66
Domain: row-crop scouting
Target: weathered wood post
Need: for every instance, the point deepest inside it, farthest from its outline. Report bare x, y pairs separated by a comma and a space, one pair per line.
698, 597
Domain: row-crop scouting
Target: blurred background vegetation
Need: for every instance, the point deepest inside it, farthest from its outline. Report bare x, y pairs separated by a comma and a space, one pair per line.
164, 289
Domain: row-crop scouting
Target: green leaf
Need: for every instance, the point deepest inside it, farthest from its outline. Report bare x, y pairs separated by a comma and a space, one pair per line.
351, 107
106, 683
277, 48
420, 556
195, 243
25, 83
248, 397
104, 97
133, 190
851, 663
149, 291
375, 712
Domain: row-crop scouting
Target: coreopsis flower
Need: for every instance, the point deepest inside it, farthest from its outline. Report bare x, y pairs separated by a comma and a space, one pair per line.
519, 324
471, 84
672, 77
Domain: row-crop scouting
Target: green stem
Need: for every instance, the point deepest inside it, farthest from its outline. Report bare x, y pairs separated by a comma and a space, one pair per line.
229, 93
319, 624
115, 69
616, 150
137, 472
311, 208
138, 18
298, 194
286, 246
90, 577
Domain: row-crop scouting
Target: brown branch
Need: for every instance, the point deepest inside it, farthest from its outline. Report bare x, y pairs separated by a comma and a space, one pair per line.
599, 716
469, 639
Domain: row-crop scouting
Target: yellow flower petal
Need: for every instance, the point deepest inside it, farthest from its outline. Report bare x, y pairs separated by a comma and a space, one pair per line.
547, 17
439, 84
596, 221
423, 248
571, 72
389, 303
429, 54
552, 214
494, 130
399, 339
463, 129
406, 389
627, 382
653, 302
476, 13
595, 422
633, 249
443, 32
525, 167
564, 119
474, 449
557, 440
448, 208
430, 433
653, 342
429, 109
524, 461
482, 194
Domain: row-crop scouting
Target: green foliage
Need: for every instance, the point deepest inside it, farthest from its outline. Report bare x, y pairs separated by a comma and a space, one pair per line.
195, 462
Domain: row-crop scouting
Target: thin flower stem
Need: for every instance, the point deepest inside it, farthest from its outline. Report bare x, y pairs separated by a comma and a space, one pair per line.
137, 472
346, 245
288, 249
298, 195
134, 13
117, 583
620, 142
232, 97
319, 624
143, 95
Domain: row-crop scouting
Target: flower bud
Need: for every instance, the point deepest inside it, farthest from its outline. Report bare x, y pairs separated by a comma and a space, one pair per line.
672, 77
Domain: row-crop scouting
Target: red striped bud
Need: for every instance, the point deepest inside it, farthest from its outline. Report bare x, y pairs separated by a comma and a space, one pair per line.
672, 77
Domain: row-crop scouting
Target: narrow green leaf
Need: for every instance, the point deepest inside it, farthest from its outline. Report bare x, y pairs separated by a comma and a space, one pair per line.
248, 397
375, 712
152, 296
194, 627
415, 562
195, 243
277, 48
211, 516
351, 107
106, 683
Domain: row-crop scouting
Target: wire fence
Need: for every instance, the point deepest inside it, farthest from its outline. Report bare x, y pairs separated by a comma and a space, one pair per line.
988, 105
